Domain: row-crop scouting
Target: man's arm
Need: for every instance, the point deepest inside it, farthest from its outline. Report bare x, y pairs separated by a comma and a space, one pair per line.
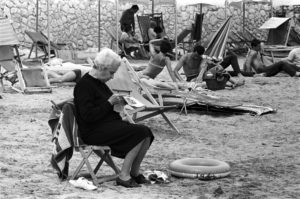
178, 66
169, 67
203, 68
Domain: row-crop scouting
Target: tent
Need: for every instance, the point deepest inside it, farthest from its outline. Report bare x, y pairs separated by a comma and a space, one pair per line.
280, 32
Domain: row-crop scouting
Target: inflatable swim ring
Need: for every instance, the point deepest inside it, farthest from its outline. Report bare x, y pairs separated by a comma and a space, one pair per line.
201, 168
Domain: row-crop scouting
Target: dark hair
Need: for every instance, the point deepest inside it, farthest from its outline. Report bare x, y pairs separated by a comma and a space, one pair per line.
199, 49
127, 28
255, 42
158, 29
135, 7
165, 46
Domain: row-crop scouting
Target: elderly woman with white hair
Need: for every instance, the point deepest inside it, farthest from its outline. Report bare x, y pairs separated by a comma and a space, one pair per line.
99, 124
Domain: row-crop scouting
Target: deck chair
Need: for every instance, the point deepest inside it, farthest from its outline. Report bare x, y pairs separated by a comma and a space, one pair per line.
113, 39
7, 67
144, 25
197, 27
41, 41
122, 82
67, 128
112, 33
33, 80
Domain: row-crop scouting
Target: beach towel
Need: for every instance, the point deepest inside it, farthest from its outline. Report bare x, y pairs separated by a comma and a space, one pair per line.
61, 125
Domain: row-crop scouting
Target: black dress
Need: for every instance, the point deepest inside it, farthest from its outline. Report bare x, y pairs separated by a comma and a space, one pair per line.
99, 124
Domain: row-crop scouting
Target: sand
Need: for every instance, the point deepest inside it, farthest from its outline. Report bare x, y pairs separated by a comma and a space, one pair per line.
263, 151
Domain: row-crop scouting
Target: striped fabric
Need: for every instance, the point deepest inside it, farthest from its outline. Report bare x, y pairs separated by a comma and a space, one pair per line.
7, 33
216, 47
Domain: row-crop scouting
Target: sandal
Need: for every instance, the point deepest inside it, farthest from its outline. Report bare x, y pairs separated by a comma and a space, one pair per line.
140, 179
127, 183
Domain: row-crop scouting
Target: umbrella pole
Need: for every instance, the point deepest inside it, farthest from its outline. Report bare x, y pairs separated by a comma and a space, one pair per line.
176, 50
243, 15
117, 39
152, 7
48, 31
37, 23
99, 20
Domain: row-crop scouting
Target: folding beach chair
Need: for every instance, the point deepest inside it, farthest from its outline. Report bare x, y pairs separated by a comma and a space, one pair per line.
66, 137
40, 41
7, 67
144, 25
112, 33
9, 53
122, 82
33, 80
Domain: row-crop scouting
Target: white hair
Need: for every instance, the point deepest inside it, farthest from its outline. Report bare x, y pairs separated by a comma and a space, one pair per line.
107, 58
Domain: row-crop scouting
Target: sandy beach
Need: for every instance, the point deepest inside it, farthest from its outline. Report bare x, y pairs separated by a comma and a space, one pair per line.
263, 151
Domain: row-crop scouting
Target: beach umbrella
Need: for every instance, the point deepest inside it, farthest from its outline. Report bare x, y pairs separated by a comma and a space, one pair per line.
216, 47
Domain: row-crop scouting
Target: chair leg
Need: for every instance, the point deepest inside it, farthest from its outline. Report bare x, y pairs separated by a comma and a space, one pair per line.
107, 159
170, 123
80, 165
88, 165
32, 46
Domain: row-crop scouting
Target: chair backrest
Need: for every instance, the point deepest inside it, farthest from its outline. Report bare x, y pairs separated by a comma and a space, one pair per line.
197, 31
144, 25
37, 37
77, 141
183, 34
7, 60
7, 34
126, 79
113, 36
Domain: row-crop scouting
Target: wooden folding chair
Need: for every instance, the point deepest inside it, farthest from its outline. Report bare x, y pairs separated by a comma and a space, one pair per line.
40, 41
87, 150
122, 82
33, 80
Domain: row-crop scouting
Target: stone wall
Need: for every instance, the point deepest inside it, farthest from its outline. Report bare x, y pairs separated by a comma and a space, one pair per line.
75, 22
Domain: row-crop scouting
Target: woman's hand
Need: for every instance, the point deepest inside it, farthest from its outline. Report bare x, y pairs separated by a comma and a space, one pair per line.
116, 99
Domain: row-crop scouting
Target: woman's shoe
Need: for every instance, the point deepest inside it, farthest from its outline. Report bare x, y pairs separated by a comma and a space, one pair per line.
127, 183
140, 179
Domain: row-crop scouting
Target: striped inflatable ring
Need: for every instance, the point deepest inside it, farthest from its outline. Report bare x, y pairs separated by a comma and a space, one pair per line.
201, 168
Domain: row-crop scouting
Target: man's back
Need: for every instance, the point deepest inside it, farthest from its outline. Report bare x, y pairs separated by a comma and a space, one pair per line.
294, 56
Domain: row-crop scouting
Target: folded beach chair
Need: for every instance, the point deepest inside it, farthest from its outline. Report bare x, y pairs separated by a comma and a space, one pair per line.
8, 71
66, 138
9, 53
33, 80
122, 83
40, 41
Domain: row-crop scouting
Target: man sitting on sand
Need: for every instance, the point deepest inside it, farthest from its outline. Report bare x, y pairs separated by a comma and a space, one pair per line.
254, 60
195, 65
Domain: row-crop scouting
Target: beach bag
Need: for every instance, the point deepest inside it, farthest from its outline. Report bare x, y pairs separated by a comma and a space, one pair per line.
216, 78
